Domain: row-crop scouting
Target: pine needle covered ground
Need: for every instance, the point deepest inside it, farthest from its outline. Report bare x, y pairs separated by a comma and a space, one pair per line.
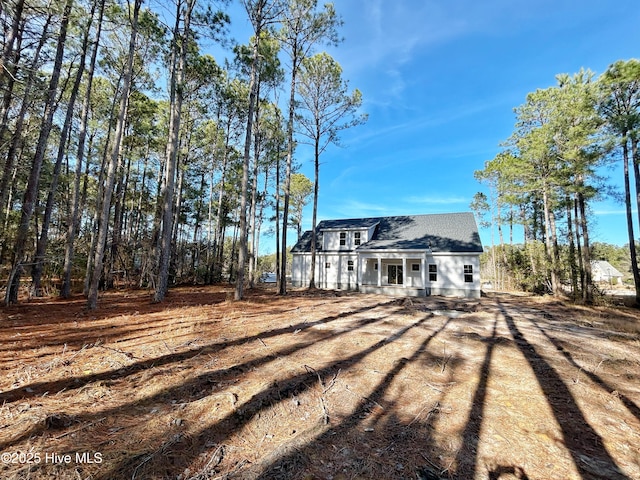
320, 385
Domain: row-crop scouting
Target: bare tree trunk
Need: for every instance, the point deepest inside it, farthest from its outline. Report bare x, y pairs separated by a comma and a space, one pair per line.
260, 216
549, 241
635, 154
279, 278
219, 236
632, 240
66, 129
103, 226
95, 222
31, 193
197, 229
587, 293
581, 257
180, 169
179, 58
210, 233
572, 250
256, 18
253, 253
282, 290
9, 62
316, 184
122, 179
7, 49
73, 221
17, 137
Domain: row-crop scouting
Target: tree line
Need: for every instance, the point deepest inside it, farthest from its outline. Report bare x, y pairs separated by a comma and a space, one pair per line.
129, 153
549, 172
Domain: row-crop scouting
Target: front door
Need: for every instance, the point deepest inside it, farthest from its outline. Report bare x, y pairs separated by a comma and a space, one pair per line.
395, 274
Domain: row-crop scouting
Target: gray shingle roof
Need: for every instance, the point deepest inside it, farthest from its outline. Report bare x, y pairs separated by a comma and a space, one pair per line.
606, 268
441, 232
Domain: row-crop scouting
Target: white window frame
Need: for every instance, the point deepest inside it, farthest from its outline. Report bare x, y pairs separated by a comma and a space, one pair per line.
433, 272
468, 273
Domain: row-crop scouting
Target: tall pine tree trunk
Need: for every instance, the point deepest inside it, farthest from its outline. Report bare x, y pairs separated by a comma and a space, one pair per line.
9, 62
43, 241
31, 193
179, 59
282, 286
73, 221
549, 238
103, 224
256, 19
16, 140
573, 264
220, 213
587, 293
635, 154
253, 252
578, 229
629, 210
314, 218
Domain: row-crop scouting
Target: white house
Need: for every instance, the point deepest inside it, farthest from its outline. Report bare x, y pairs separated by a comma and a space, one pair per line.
603, 271
416, 255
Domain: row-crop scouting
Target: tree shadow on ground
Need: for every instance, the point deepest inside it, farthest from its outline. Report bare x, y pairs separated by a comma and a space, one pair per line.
217, 432
35, 389
584, 444
467, 457
188, 391
608, 388
388, 437
392, 432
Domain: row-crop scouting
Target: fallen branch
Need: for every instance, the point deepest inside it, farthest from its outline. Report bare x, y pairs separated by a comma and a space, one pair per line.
324, 389
434, 409
213, 462
332, 382
117, 350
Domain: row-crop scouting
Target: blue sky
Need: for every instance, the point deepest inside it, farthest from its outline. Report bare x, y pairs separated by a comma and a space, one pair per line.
440, 80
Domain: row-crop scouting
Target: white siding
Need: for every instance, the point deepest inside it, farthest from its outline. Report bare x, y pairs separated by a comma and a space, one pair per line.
334, 276
414, 277
450, 271
451, 275
331, 239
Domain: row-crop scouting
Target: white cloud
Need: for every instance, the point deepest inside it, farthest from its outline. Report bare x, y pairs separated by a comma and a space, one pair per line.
621, 211
357, 209
436, 200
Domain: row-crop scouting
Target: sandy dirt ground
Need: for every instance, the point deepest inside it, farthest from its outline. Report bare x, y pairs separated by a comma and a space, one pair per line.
318, 385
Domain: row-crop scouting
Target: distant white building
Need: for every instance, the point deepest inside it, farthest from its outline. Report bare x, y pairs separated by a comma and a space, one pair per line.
416, 255
603, 271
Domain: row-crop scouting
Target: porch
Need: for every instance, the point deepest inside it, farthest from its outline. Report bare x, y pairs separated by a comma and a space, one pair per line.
397, 273
394, 291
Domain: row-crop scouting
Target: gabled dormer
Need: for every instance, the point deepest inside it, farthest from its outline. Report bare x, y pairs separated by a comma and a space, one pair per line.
347, 236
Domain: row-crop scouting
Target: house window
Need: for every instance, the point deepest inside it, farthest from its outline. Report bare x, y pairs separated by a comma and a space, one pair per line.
433, 272
468, 273
356, 238
375, 266
415, 267
350, 265
343, 239
327, 265
395, 274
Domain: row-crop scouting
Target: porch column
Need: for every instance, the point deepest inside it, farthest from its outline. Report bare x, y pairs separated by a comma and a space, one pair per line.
423, 273
404, 272
379, 271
